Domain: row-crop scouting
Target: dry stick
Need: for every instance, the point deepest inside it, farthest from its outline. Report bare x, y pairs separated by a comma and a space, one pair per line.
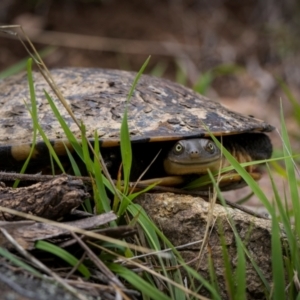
100, 287
102, 267
163, 253
41, 266
75, 267
204, 194
141, 176
79, 41
76, 229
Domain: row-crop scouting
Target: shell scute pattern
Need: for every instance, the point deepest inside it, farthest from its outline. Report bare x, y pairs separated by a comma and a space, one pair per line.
158, 109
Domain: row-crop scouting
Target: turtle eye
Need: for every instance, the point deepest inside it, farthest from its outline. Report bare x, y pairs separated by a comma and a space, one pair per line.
210, 147
178, 148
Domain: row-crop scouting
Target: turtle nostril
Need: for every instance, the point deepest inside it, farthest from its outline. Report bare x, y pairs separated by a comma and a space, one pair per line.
194, 154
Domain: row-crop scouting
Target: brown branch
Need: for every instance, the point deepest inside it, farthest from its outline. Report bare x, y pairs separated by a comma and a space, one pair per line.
51, 199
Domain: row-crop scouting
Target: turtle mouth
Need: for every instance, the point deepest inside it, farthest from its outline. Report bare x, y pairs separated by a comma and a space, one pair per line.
200, 161
173, 167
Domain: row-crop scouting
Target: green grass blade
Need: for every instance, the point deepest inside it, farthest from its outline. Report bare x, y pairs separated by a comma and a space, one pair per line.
292, 99
206, 79
204, 82
73, 162
88, 164
34, 116
34, 113
131, 197
284, 218
277, 262
21, 65
226, 261
102, 201
64, 255
128, 199
181, 76
159, 69
240, 273
70, 136
246, 176
85, 150
177, 277
290, 167
123, 205
36, 126
50, 148
126, 151
148, 227
212, 273
17, 262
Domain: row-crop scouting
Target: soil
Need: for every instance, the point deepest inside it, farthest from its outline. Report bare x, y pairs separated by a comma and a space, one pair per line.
241, 48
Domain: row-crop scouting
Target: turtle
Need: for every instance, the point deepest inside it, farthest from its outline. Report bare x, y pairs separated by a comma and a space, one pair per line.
166, 120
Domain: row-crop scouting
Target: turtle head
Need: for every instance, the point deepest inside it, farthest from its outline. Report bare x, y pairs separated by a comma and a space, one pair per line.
193, 156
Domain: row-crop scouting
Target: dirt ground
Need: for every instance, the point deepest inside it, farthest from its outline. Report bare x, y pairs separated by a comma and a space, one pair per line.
244, 45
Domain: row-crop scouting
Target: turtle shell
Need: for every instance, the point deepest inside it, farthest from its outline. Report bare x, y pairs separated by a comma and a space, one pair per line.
159, 110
